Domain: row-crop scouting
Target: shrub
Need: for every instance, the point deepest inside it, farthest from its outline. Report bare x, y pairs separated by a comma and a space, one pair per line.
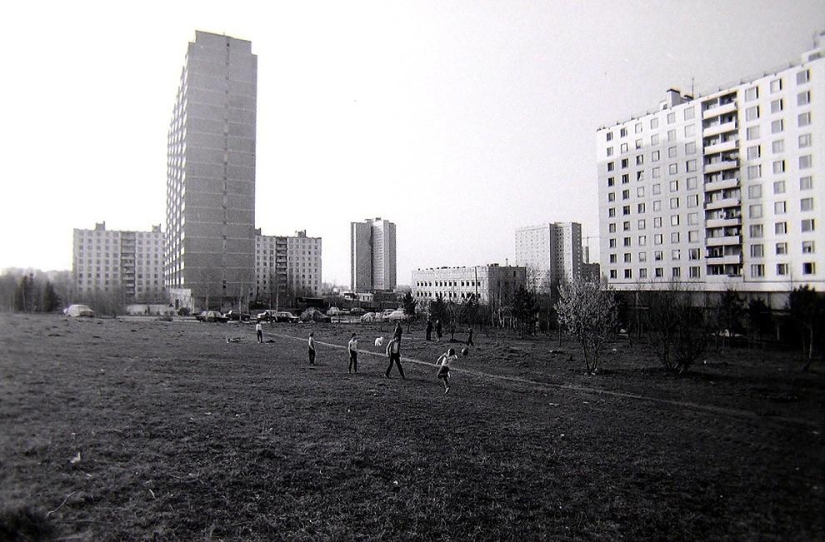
678, 331
588, 311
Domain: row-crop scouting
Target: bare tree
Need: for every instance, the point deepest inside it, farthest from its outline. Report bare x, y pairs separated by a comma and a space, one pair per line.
588, 311
678, 331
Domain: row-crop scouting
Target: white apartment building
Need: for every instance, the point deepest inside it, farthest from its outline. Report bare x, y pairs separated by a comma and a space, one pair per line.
552, 253
723, 190
485, 283
285, 266
125, 264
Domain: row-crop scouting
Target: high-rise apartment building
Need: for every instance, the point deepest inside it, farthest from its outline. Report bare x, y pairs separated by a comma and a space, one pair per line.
552, 253
127, 266
210, 194
720, 191
286, 267
372, 250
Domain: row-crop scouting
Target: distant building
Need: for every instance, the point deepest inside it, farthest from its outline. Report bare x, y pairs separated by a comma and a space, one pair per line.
552, 253
372, 252
210, 194
719, 191
485, 283
287, 266
126, 265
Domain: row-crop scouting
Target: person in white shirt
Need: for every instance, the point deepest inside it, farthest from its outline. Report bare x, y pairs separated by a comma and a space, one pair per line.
394, 353
311, 345
444, 368
259, 331
352, 348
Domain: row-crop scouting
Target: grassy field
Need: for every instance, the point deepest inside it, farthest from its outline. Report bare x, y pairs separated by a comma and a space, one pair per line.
142, 429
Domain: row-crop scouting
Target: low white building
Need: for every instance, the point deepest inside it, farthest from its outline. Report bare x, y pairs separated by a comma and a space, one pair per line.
485, 283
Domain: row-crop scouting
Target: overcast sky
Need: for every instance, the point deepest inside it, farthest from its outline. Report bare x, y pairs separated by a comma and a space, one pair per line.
459, 121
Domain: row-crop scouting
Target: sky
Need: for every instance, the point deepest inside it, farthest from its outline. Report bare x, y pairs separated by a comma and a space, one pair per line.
459, 121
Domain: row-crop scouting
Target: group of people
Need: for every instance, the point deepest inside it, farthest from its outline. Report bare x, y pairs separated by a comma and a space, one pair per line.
438, 330
393, 351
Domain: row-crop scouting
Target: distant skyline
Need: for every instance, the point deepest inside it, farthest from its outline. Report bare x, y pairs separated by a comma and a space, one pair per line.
458, 121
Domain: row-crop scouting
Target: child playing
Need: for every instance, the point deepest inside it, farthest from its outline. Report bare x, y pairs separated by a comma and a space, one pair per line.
352, 348
444, 368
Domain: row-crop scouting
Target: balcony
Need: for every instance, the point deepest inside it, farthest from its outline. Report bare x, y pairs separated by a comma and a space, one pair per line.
717, 129
730, 145
729, 107
723, 241
721, 165
722, 203
730, 259
723, 222
722, 185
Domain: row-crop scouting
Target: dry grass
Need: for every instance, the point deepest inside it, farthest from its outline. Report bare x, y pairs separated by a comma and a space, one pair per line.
183, 436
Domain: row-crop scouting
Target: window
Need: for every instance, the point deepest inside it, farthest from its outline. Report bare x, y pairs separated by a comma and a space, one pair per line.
656, 173
659, 272
674, 203
779, 187
657, 222
806, 183
642, 273
693, 219
638, 128
804, 119
694, 254
673, 169
781, 248
778, 146
674, 237
658, 239
676, 254
755, 191
675, 272
628, 273
638, 144
690, 113
674, 220
751, 94
625, 178
755, 172
779, 166
690, 130
780, 228
757, 270
609, 136
611, 228
777, 106
806, 204
623, 132
690, 148
640, 159
803, 77
694, 272
809, 268
611, 196
755, 211
671, 152
640, 208
626, 225
808, 224
626, 210
627, 258
642, 242
693, 236
757, 251
658, 255
626, 241
613, 274
625, 163
752, 133
612, 243
803, 98
671, 118
805, 162
654, 123
640, 175
807, 247
624, 148
657, 189
804, 141
752, 113
671, 135
754, 152
609, 151
690, 166
654, 156
756, 231
610, 166
611, 181
693, 200
611, 212
692, 183
781, 269
642, 257
777, 126
776, 85
779, 207
654, 139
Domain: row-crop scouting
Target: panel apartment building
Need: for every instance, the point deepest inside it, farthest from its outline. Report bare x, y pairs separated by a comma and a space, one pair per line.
125, 265
287, 266
210, 194
719, 191
372, 255
485, 283
552, 253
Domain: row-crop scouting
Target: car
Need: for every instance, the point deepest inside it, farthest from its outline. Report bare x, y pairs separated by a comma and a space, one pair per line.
79, 311
211, 316
237, 316
286, 316
397, 315
265, 316
356, 311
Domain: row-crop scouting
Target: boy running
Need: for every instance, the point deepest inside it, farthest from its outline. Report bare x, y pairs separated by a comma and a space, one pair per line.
444, 368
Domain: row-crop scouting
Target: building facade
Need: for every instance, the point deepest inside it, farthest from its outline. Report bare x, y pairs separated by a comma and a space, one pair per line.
485, 283
372, 255
552, 253
719, 191
126, 266
286, 267
210, 194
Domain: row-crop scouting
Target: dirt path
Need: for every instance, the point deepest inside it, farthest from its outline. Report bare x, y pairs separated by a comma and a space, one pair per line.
739, 413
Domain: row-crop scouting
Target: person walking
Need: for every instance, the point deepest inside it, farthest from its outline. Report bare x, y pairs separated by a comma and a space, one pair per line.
429, 329
352, 348
470, 337
438, 331
394, 353
259, 331
311, 345
443, 363
398, 332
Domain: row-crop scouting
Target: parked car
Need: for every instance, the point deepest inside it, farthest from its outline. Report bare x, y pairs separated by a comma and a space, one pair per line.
397, 315
265, 316
355, 311
211, 316
237, 316
286, 316
79, 311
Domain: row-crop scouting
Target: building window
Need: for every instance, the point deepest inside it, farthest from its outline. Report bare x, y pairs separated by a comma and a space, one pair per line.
693, 200
657, 189
809, 268
777, 106
780, 228
755, 172
658, 255
778, 146
658, 239
673, 169
638, 144
754, 152
803, 77
654, 156
671, 118
752, 113
640, 208
757, 251
755, 211
752, 133
642, 257
692, 183
676, 254
623, 132
659, 272
757, 270
779, 166
674, 237
654, 123
808, 224
609, 136
693, 219
806, 204
694, 272
779, 187
640, 159
755, 191
804, 141
609, 151
690, 113
694, 254
807, 247
654, 139
803, 98
611, 181
642, 273
674, 203
674, 220
782, 269
643, 240
690, 130
779, 207
671, 135
624, 148
806, 183
804, 119
776, 85
640, 192
675, 272
805, 162
628, 258
781, 248
628, 274
657, 220
690, 148
756, 231
751, 94
777, 126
